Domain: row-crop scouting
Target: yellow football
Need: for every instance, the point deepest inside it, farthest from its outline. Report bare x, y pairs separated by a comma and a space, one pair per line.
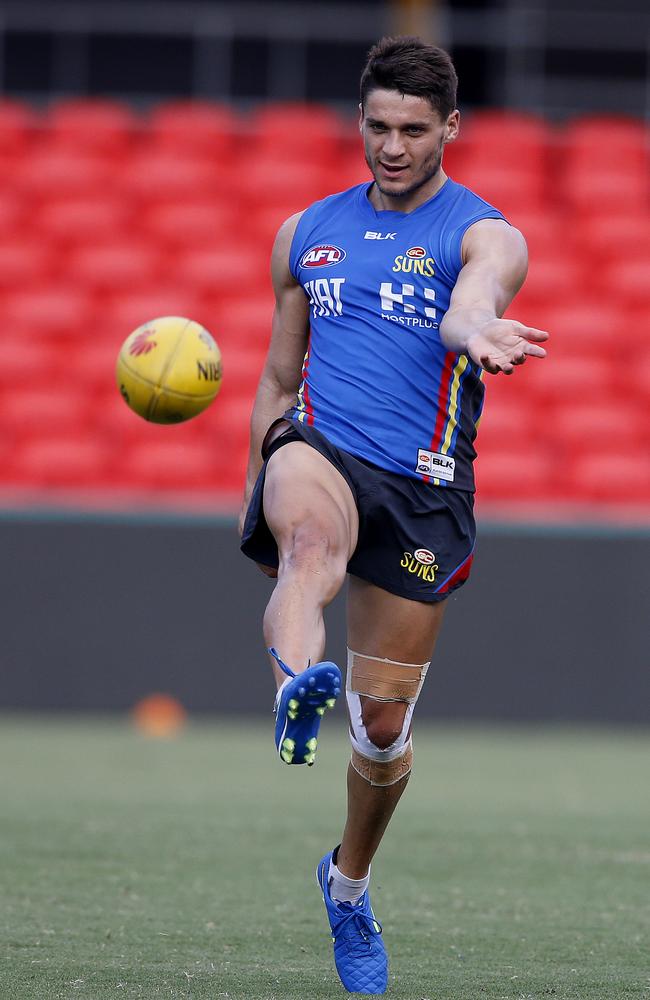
169, 370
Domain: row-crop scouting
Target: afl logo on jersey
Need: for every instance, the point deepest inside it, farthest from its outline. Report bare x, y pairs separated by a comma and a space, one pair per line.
416, 253
324, 255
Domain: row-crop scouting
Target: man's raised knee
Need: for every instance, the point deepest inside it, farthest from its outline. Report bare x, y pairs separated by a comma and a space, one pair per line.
312, 546
382, 732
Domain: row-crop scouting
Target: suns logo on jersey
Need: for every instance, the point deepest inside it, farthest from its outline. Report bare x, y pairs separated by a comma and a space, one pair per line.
415, 261
323, 255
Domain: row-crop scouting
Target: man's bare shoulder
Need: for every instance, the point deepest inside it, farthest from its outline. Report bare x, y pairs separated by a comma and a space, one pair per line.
286, 233
490, 235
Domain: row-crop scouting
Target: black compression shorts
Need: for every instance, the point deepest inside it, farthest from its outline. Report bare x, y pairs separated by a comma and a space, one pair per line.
415, 540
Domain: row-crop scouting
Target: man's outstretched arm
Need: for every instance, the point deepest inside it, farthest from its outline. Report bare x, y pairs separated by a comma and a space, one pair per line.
495, 265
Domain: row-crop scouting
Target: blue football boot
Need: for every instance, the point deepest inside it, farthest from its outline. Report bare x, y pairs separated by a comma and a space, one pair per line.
359, 952
300, 705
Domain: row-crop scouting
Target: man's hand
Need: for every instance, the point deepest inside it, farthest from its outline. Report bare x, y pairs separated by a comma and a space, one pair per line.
501, 344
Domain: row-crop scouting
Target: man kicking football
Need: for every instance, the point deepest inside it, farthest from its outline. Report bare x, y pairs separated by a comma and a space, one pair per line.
389, 299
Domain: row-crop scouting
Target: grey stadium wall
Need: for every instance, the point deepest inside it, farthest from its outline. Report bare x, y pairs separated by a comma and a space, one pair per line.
100, 611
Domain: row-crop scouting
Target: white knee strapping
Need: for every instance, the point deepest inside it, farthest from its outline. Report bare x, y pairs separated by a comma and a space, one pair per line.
381, 680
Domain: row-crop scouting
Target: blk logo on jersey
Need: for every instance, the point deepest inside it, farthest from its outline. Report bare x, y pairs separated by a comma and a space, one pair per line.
323, 255
371, 235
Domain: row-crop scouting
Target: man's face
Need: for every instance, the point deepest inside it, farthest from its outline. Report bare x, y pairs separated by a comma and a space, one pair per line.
403, 138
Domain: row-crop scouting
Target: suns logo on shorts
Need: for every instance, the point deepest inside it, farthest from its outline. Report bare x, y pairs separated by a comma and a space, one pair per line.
323, 255
421, 563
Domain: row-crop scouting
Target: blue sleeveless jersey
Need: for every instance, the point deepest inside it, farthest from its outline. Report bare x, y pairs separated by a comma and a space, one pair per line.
377, 380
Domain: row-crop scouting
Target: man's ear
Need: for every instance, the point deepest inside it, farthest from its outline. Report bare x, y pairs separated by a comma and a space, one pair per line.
452, 126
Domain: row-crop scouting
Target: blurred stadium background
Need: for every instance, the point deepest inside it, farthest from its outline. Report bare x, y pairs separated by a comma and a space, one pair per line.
148, 152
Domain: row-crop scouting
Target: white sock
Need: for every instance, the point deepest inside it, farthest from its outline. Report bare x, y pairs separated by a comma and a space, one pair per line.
344, 889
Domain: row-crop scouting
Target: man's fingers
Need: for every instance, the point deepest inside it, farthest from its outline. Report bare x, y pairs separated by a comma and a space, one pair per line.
533, 351
531, 333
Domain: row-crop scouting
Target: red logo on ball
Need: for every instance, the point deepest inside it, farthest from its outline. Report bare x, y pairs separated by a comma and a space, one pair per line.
142, 344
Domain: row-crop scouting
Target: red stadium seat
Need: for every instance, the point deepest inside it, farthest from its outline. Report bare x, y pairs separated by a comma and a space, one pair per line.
49, 311
83, 221
128, 310
584, 329
615, 184
262, 181
263, 224
542, 231
19, 124
219, 271
550, 279
90, 125
630, 280
584, 139
513, 190
294, 131
580, 425
246, 322
25, 263
44, 410
63, 461
27, 362
13, 216
350, 170
231, 420
512, 136
612, 474
590, 378
614, 235
172, 465
168, 177
242, 364
199, 128
116, 267
89, 366
63, 174
506, 424
512, 474
192, 224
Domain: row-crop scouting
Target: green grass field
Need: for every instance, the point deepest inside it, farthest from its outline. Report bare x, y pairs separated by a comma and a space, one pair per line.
517, 867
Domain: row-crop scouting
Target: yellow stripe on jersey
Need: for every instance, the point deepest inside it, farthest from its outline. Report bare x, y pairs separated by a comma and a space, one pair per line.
452, 422
482, 379
302, 409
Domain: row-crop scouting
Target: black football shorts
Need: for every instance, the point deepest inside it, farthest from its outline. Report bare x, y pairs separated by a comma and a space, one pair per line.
415, 540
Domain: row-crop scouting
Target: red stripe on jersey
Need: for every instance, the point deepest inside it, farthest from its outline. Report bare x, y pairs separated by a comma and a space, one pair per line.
305, 392
443, 396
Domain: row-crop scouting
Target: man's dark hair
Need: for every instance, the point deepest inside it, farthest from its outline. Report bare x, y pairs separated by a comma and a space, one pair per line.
413, 67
